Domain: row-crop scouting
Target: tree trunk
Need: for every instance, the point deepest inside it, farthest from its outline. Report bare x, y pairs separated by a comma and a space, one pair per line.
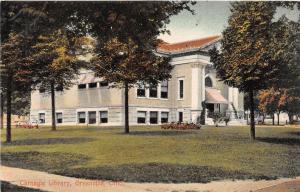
53, 107
290, 118
126, 108
1, 109
273, 119
264, 117
278, 114
252, 122
8, 109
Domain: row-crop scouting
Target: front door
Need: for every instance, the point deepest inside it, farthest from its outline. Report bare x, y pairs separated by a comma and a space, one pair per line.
210, 107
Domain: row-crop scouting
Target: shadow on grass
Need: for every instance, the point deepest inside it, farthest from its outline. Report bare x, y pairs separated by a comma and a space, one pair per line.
90, 128
294, 133
159, 172
42, 161
49, 141
8, 187
157, 133
282, 141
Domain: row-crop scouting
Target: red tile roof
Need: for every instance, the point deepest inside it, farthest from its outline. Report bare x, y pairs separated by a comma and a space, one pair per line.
198, 43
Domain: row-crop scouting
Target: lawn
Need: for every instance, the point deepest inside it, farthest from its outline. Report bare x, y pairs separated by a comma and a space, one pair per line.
149, 154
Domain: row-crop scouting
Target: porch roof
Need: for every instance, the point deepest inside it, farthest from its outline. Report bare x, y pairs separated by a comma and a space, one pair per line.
214, 96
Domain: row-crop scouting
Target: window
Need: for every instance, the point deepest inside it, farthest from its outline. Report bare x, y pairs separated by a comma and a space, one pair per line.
42, 90
208, 82
59, 118
92, 85
141, 117
141, 91
92, 117
180, 89
42, 117
153, 91
103, 83
164, 117
81, 117
153, 117
180, 117
164, 89
82, 86
103, 116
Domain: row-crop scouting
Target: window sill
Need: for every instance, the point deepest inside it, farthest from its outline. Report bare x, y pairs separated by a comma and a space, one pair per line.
141, 97
153, 98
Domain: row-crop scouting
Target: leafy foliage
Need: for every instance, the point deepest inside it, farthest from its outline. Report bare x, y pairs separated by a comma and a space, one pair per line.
117, 63
140, 22
254, 49
56, 63
252, 46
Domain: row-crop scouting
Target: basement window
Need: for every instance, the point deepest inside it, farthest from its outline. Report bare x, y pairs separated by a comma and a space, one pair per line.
81, 117
141, 117
103, 116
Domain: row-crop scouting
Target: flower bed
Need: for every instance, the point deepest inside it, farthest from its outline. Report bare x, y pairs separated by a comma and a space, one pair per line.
180, 126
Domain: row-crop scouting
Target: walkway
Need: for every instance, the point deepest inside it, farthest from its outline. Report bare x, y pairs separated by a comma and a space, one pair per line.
50, 182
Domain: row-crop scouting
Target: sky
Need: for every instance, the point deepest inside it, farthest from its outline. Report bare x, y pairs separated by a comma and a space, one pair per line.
210, 18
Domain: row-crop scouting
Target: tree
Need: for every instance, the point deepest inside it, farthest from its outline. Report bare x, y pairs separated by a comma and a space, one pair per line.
25, 21
125, 65
18, 72
57, 65
141, 22
290, 104
126, 34
271, 101
251, 50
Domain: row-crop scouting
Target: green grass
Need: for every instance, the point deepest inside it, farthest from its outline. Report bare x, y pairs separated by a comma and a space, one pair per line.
149, 154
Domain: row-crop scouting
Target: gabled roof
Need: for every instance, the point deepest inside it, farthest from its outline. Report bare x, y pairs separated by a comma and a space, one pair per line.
187, 45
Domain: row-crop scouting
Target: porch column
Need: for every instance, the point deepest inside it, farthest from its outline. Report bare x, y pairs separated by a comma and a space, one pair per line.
197, 90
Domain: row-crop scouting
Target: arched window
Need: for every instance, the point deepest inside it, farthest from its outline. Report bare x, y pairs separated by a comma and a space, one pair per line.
208, 82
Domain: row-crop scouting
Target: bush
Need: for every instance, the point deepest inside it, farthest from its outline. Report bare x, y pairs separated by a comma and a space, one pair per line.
180, 126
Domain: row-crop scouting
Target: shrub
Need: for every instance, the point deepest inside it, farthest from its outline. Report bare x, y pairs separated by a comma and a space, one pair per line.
180, 126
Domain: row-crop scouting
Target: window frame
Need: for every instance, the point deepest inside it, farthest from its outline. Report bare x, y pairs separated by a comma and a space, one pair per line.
78, 118
101, 84
42, 90
180, 112
94, 119
79, 86
167, 87
59, 118
150, 118
101, 119
179, 88
150, 88
137, 119
139, 88
93, 83
44, 120
161, 117
210, 81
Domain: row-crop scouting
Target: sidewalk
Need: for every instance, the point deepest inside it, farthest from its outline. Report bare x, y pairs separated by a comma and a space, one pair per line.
56, 183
